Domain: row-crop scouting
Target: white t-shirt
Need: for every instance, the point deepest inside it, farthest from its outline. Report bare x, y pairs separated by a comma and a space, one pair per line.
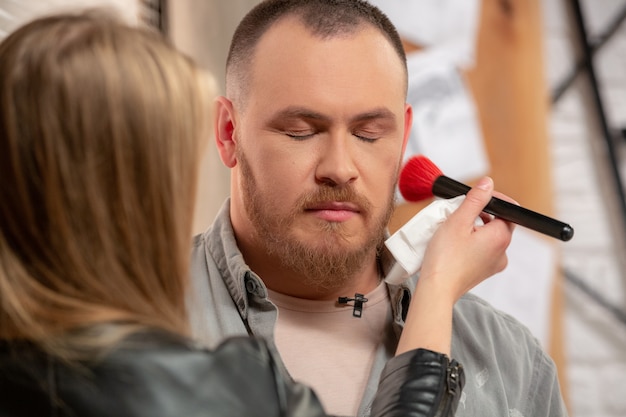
324, 346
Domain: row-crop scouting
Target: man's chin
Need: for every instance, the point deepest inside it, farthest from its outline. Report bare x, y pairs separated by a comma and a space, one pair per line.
349, 231
328, 243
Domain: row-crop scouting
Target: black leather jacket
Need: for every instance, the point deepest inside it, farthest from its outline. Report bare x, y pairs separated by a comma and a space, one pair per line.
157, 375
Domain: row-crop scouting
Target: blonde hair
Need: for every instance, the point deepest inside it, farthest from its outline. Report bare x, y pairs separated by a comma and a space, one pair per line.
101, 125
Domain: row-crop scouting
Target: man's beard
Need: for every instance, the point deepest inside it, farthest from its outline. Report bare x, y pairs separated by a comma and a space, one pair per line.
329, 262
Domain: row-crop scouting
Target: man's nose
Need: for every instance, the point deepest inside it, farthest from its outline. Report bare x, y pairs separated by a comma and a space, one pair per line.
337, 165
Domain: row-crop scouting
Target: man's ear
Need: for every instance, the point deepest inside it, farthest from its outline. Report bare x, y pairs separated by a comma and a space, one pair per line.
225, 131
408, 124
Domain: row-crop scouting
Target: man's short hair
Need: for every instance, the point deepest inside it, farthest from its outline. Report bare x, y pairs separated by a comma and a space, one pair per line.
324, 18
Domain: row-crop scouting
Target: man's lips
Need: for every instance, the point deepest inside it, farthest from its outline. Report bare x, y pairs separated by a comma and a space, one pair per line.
334, 211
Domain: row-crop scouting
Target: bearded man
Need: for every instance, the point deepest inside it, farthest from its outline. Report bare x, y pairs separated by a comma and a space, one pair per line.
313, 125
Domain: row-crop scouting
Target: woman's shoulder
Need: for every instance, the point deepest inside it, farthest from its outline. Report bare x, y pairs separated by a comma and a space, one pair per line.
175, 376
160, 349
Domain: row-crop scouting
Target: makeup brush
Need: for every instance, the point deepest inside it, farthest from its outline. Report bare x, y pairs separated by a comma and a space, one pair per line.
421, 179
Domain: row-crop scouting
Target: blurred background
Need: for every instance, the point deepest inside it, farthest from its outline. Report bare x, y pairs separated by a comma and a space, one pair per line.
531, 92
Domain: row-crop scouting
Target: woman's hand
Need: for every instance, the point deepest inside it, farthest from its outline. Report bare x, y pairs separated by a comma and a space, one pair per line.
460, 255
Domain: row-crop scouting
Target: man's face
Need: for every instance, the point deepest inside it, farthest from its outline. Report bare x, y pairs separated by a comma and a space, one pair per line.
319, 146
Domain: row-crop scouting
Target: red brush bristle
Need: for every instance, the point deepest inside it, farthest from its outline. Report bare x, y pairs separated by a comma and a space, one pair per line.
417, 178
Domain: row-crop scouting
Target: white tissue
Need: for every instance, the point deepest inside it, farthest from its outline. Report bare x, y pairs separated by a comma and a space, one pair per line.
408, 244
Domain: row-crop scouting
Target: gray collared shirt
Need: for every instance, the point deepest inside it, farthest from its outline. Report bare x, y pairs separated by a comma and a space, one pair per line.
508, 374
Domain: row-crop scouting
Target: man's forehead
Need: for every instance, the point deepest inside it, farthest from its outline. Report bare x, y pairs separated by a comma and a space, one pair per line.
289, 41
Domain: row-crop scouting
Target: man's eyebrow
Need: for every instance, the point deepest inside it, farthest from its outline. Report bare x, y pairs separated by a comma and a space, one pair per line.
297, 112
294, 112
378, 113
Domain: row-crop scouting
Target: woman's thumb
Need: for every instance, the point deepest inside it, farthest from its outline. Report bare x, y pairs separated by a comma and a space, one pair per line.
478, 197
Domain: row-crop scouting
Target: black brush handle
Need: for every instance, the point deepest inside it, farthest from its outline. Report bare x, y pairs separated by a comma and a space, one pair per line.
445, 187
